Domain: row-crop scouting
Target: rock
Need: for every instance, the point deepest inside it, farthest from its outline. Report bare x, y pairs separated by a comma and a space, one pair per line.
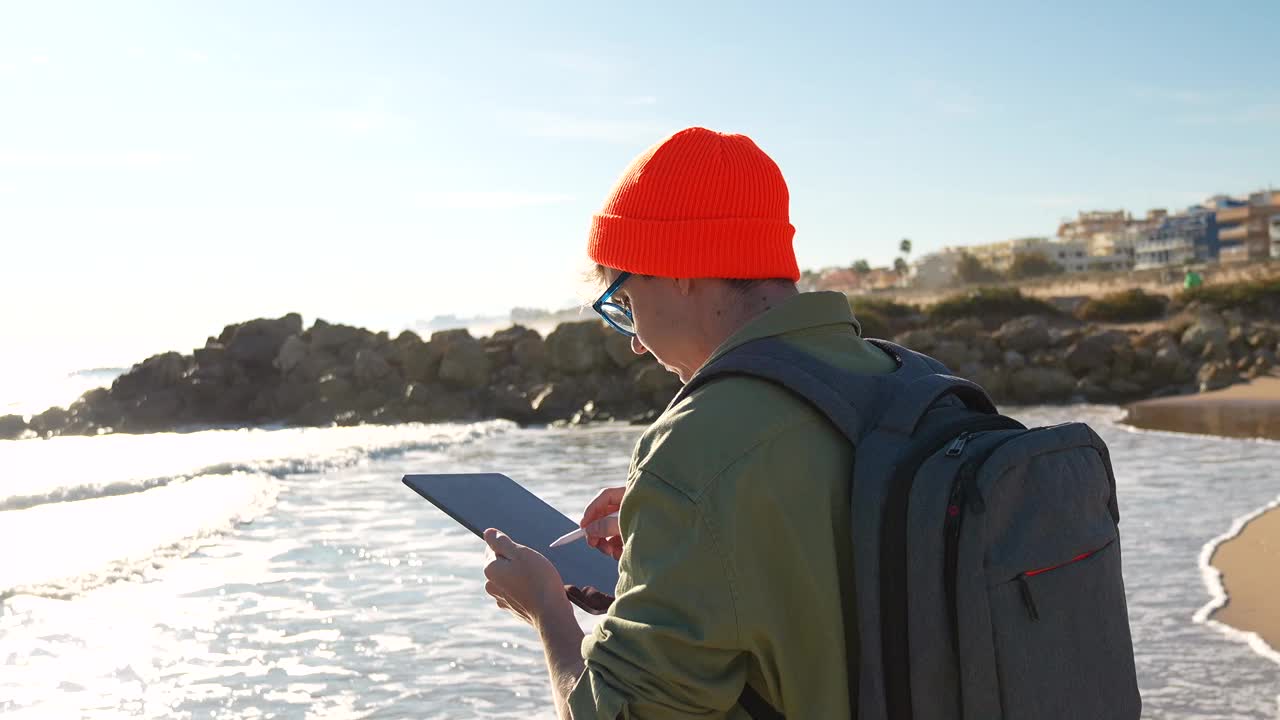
327, 337
1041, 385
556, 401
158, 371
511, 404
1233, 317
254, 345
371, 368
618, 347
1215, 376
654, 384
1091, 390
954, 354
1169, 365
463, 363
1063, 337
964, 329
1024, 335
577, 348
50, 422
292, 352
1013, 359
923, 341
1262, 338
12, 427
1094, 351
530, 353
1208, 327
1125, 389
1215, 351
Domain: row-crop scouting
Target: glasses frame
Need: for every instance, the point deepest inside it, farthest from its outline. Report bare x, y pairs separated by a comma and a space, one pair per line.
606, 300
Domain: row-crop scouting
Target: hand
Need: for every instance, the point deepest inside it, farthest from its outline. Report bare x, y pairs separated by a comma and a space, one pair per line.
522, 580
603, 532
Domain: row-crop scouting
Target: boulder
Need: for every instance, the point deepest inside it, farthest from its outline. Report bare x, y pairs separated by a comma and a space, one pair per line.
511, 404
254, 345
463, 363
964, 329
292, 352
618, 347
1263, 337
158, 371
333, 338
12, 427
1012, 359
371, 368
1032, 385
1060, 337
1093, 351
1207, 327
1215, 376
556, 401
954, 354
577, 348
1024, 335
530, 353
919, 340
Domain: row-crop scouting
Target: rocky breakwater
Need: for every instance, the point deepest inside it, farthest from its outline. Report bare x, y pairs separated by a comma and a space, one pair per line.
1057, 359
273, 371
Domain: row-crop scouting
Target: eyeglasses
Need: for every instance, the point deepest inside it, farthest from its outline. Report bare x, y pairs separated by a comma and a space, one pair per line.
618, 316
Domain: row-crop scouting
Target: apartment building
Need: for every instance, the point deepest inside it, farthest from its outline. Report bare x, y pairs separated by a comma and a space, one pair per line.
1187, 237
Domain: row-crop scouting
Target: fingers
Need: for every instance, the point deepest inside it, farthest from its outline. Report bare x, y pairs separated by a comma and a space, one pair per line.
605, 527
500, 543
605, 502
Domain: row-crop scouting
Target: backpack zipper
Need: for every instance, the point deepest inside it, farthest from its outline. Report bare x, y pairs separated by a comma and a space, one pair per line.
894, 651
1027, 598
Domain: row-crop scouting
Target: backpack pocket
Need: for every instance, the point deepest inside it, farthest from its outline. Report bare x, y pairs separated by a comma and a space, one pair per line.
1061, 639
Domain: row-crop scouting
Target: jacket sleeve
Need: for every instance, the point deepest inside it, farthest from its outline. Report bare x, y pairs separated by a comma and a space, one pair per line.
669, 646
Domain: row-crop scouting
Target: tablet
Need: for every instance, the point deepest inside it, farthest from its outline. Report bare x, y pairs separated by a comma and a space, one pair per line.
489, 500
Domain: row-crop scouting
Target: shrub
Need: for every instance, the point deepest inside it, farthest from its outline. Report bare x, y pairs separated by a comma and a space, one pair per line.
873, 324
882, 306
1127, 306
992, 306
1258, 295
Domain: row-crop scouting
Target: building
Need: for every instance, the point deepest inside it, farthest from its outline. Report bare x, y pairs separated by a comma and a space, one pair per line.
935, 270
1115, 249
999, 255
1275, 236
1244, 224
1091, 222
1188, 237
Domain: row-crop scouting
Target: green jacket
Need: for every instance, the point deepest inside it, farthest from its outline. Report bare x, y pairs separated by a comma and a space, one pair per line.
738, 565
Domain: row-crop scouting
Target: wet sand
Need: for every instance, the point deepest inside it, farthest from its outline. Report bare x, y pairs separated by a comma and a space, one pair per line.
1248, 410
1250, 567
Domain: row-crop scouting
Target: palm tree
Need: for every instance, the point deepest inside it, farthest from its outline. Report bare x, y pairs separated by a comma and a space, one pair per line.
904, 247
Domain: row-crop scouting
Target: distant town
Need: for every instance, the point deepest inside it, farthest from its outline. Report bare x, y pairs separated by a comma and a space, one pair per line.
1223, 229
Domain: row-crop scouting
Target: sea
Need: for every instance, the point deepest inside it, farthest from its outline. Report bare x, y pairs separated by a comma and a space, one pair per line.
287, 573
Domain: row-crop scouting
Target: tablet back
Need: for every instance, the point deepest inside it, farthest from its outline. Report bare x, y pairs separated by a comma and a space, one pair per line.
491, 500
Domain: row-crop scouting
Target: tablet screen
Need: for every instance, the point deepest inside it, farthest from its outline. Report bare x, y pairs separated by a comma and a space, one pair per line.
491, 500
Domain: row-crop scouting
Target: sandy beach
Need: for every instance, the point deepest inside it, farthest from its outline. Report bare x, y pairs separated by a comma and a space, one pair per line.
1246, 410
1250, 567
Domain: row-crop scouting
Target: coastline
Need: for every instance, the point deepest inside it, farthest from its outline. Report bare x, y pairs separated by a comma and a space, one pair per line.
1239, 572
1249, 410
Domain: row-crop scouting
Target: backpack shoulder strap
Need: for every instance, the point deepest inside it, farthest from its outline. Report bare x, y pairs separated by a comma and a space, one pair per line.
932, 383
850, 401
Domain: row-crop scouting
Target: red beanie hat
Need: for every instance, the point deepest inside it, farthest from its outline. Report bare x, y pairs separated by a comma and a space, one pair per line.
699, 204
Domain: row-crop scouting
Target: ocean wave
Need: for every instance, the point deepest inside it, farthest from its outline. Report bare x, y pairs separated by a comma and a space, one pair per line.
87, 544
61, 470
1217, 591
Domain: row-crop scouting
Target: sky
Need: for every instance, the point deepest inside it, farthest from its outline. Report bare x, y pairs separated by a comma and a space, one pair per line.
168, 168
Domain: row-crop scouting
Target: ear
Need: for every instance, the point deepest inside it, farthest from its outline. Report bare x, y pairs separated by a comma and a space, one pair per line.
684, 285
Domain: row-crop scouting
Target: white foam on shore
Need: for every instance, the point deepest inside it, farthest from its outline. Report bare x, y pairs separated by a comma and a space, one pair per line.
1218, 593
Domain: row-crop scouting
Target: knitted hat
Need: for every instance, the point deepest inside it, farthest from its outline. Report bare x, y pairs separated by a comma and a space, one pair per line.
699, 204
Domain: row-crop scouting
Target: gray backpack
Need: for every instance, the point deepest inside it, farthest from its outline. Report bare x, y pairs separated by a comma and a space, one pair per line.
987, 554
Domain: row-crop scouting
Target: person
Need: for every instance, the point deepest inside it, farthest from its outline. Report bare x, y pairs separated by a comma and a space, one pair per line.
1192, 280
733, 538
